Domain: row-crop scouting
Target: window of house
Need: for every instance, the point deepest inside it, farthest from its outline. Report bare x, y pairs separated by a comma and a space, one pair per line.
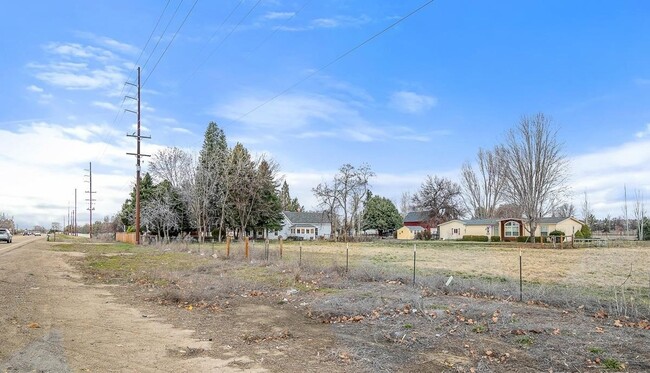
456, 231
544, 230
316, 231
511, 229
293, 230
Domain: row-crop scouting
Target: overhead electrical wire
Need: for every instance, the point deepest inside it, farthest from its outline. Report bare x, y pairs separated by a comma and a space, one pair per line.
162, 34
170, 43
221, 41
269, 36
335, 60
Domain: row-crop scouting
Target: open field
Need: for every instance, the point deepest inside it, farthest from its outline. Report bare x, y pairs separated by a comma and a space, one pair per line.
583, 309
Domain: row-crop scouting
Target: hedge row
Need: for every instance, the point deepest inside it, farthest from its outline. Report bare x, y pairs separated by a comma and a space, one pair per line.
480, 238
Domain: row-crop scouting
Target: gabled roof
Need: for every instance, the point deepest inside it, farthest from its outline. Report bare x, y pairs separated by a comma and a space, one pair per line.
416, 216
307, 217
481, 221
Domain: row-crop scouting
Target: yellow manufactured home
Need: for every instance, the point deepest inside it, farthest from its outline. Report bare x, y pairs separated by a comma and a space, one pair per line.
506, 229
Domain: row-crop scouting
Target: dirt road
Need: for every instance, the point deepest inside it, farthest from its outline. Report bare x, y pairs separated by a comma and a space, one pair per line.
51, 322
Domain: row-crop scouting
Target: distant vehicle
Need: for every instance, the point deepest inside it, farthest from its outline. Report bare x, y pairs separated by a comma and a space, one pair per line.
37, 233
5, 235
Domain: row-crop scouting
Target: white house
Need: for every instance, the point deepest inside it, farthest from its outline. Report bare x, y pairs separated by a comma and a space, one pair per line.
308, 225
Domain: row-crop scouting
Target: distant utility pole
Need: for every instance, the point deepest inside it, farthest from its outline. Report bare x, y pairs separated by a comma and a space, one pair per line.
137, 155
90, 198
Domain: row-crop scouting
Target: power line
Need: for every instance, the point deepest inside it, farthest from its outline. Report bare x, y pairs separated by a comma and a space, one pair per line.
170, 42
162, 34
222, 40
269, 36
340, 57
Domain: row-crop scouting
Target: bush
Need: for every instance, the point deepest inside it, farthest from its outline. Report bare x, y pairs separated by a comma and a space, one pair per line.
424, 235
475, 238
585, 231
538, 239
557, 233
495, 239
579, 234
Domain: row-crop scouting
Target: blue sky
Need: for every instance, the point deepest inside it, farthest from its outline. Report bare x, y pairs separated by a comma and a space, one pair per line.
419, 99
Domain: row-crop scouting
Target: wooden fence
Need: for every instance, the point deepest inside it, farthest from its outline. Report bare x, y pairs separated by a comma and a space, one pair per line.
125, 237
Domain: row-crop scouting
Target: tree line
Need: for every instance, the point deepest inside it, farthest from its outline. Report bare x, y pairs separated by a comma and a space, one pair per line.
221, 190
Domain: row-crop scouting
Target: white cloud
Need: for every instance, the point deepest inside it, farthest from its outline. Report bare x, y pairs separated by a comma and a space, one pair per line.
74, 50
105, 105
79, 77
602, 175
46, 162
181, 130
328, 23
33, 88
644, 133
411, 102
279, 15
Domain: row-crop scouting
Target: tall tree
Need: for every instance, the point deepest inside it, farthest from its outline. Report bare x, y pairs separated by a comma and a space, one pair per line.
345, 194
245, 188
587, 214
483, 189
441, 197
288, 203
268, 207
405, 204
534, 167
381, 214
212, 175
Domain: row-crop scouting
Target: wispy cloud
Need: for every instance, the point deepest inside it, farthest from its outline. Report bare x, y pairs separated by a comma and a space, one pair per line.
33, 88
74, 50
411, 102
180, 130
105, 105
278, 15
644, 133
328, 23
80, 77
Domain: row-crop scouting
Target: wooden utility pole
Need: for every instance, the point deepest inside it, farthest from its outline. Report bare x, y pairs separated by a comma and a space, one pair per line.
138, 156
90, 197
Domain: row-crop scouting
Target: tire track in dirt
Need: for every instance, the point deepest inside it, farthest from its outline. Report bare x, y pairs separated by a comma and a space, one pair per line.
54, 321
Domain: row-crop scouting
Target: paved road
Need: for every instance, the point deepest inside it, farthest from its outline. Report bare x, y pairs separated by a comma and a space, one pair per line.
51, 322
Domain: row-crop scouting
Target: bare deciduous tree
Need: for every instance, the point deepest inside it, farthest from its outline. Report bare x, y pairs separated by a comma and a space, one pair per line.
639, 213
346, 193
171, 164
405, 204
483, 192
441, 197
586, 212
534, 167
565, 210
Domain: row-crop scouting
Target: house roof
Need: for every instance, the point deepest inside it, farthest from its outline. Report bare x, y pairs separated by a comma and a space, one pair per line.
481, 221
415, 228
416, 216
307, 217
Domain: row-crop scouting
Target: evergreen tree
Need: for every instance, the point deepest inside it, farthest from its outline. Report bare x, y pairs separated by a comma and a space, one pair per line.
288, 204
381, 214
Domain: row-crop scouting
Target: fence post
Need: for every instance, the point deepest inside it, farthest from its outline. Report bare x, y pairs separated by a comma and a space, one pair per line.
228, 247
521, 279
300, 257
414, 253
280, 247
266, 244
347, 257
246, 247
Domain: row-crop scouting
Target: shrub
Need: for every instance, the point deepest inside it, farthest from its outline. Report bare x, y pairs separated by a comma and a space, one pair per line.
475, 238
579, 234
424, 235
556, 233
538, 239
495, 239
585, 231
